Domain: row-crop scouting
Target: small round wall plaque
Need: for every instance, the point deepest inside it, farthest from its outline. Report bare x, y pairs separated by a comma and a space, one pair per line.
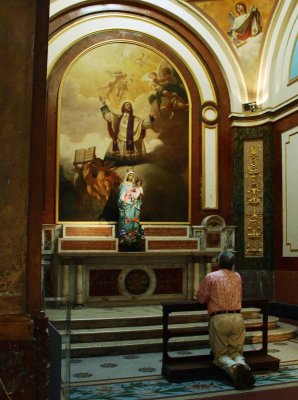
137, 281
209, 113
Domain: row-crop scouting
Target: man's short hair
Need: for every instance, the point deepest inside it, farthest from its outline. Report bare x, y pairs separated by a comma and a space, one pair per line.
226, 259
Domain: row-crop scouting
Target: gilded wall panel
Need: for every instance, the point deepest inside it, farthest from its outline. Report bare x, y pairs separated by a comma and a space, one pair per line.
253, 198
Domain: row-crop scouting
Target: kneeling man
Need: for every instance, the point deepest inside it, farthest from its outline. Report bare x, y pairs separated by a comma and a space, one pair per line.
222, 291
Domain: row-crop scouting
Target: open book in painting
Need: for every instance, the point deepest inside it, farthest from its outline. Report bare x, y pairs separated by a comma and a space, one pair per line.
84, 155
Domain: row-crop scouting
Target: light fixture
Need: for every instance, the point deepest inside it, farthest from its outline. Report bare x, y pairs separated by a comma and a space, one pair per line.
251, 107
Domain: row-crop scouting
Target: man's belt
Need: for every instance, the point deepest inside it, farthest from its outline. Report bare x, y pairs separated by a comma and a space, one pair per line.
225, 312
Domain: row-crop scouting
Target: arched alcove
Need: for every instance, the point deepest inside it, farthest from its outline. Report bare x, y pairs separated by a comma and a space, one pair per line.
209, 139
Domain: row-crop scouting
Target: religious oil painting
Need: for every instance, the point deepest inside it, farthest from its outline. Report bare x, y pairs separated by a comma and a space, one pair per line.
124, 117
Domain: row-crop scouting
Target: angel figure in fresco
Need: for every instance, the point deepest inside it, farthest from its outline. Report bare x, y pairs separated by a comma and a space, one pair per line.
140, 59
245, 24
100, 178
167, 93
123, 85
116, 84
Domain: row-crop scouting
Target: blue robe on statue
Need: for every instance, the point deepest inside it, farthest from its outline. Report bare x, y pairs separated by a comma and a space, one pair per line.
129, 207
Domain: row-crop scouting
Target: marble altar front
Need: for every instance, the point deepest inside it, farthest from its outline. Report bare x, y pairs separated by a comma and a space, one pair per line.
86, 266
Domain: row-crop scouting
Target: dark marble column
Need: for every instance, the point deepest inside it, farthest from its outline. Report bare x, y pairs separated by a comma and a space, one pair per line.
257, 271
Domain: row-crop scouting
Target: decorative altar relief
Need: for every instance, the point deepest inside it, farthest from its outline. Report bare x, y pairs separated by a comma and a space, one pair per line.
123, 105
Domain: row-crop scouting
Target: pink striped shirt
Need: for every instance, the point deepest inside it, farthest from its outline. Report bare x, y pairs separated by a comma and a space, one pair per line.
221, 290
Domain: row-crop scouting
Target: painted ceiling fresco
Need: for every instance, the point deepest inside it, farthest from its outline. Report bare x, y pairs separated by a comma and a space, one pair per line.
219, 11
243, 24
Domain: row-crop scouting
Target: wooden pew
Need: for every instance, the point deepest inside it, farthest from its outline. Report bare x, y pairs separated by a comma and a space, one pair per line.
183, 368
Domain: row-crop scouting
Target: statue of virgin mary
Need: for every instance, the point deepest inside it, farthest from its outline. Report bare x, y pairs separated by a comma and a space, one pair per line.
130, 197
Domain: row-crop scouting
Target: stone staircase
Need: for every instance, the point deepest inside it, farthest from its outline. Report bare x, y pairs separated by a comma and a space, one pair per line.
137, 330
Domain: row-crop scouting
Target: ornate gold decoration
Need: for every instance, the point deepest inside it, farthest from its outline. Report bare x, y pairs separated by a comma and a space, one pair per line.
253, 198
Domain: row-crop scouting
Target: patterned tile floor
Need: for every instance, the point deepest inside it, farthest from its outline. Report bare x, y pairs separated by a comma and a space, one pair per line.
136, 365
137, 376
158, 389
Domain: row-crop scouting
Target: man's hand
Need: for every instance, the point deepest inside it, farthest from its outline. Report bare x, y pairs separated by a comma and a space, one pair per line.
152, 115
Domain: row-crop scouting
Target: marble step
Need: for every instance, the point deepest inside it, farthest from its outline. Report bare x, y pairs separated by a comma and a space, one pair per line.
150, 332
88, 349
282, 333
133, 317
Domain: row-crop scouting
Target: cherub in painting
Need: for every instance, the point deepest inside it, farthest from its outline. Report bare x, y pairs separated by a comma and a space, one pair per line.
169, 95
100, 178
115, 84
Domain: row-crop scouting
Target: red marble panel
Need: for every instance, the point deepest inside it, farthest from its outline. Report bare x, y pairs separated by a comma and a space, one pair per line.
169, 281
286, 283
104, 282
159, 231
88, 231
172, 245
103, 245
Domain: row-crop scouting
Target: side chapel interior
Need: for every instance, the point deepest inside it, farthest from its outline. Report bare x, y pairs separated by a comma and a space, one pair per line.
219, 172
